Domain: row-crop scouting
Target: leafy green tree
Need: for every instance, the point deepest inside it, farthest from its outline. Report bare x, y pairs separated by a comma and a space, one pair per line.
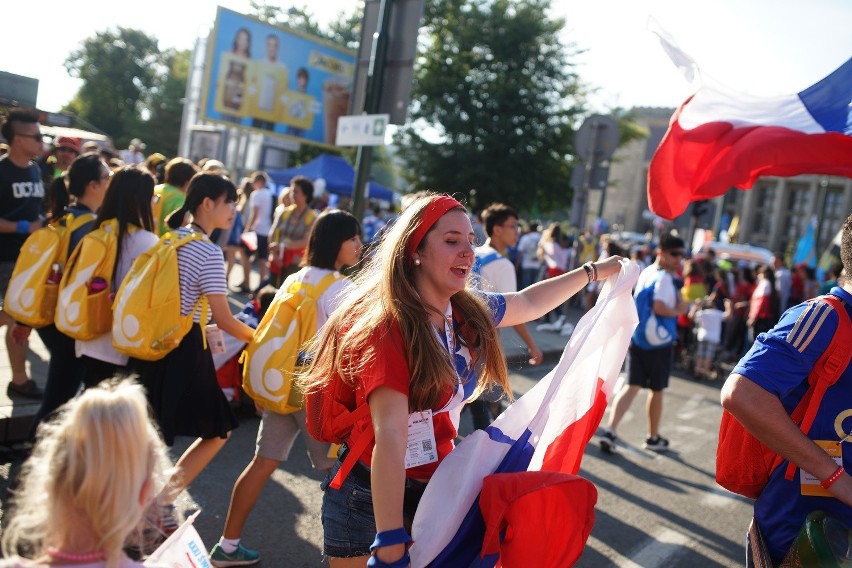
119, 68
164, 104
496, 92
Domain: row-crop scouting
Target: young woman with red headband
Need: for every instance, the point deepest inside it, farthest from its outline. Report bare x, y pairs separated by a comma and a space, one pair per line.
416, 341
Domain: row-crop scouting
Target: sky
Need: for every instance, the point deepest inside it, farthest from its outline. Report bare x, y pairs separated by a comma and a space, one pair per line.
762, 47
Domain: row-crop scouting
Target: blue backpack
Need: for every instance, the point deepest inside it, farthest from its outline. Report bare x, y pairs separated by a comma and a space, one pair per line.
652, 332
483, 260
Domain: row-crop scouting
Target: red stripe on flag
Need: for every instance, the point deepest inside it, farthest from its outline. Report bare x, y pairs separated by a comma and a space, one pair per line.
708, 160
566, 452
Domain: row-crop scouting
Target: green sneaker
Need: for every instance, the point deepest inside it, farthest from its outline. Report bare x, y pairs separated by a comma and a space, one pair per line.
242, 556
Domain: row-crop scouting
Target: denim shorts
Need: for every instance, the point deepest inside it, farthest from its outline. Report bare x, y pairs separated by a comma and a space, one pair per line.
348, 522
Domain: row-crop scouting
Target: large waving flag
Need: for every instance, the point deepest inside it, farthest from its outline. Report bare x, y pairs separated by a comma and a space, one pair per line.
547, 429
720, 138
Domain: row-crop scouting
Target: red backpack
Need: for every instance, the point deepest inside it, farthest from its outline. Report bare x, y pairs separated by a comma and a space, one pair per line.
331, 413
743, 463
333, 410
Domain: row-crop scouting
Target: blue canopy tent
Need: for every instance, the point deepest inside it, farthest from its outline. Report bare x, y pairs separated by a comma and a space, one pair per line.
339, 176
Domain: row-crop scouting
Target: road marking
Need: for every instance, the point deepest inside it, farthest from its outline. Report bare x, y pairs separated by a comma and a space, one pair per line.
659, 549
692, 406
718, 497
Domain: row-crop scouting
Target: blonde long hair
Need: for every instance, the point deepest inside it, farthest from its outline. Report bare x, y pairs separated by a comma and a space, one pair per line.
89, 469
384, 295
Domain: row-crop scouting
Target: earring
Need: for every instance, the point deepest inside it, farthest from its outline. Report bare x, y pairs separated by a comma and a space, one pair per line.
416, 262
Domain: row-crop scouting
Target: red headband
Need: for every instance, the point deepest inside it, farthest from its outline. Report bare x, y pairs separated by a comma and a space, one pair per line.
431, 214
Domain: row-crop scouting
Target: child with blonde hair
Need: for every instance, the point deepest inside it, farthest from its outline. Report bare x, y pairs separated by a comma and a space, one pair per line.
95, 469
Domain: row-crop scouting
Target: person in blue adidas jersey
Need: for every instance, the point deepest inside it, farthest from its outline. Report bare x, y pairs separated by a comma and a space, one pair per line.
763, 390
497, 274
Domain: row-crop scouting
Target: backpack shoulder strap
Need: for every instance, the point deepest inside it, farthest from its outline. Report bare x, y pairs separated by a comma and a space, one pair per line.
356, 447
826, 371
480, 261
73, 223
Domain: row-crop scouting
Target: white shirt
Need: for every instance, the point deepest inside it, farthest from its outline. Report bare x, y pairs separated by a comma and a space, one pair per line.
664, 289
260, 203
101, 348
331, 298
783, 283
709, 324
527, 246
129, 157
555, 256
498, 275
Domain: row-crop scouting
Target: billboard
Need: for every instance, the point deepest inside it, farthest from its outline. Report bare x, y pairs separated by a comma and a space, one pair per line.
275, 80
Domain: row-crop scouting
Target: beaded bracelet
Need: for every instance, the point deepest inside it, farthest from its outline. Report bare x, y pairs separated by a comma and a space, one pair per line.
833, 478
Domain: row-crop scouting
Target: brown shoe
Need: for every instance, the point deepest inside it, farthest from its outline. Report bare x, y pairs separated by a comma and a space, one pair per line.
27, 390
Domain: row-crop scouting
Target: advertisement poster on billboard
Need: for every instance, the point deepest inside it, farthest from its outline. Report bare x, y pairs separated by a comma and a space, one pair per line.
276, 80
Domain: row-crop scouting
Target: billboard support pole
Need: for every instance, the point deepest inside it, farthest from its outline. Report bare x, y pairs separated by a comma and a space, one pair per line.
364, 155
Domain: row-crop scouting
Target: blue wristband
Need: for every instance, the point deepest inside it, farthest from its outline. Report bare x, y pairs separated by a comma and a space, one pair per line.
390, 538
403, 562
23, 227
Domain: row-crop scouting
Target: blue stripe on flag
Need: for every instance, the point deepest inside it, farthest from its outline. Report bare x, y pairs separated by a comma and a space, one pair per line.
828, 101
463, 550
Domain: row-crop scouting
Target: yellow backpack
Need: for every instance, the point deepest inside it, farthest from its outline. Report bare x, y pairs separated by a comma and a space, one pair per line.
33, 288
84, 307
147, 323
274, 356
157, 206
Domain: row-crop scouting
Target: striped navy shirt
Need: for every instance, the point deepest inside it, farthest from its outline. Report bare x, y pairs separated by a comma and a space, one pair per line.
201, 266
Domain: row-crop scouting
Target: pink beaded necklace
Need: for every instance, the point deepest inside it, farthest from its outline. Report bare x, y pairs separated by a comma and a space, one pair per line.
81, 557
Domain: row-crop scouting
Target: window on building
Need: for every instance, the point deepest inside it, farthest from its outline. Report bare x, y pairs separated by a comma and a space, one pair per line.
762, 214
831, 215
795, 220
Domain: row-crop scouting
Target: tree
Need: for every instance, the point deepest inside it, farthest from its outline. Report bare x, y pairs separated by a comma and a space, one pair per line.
164, 104
494, 84
119, 69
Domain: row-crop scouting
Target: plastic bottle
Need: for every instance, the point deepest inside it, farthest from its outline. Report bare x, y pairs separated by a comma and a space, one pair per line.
97, 285
55, 274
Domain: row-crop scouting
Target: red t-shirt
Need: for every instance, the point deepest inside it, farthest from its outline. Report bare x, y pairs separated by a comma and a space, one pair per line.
389, 368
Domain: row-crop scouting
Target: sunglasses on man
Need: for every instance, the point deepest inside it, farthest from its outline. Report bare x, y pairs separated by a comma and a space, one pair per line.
37, 137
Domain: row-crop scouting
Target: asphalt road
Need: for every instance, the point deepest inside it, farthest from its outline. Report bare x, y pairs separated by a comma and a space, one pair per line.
653, 509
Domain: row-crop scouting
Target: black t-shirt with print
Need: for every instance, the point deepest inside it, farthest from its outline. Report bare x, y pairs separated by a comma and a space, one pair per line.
21, 196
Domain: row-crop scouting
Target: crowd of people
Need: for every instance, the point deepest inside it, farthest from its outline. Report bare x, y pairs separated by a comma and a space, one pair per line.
412, 335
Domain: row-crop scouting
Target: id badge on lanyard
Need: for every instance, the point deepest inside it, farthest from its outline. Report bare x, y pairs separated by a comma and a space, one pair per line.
421, 448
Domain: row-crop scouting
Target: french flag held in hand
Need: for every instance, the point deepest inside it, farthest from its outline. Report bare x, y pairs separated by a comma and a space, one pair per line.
720, 138
509, 494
